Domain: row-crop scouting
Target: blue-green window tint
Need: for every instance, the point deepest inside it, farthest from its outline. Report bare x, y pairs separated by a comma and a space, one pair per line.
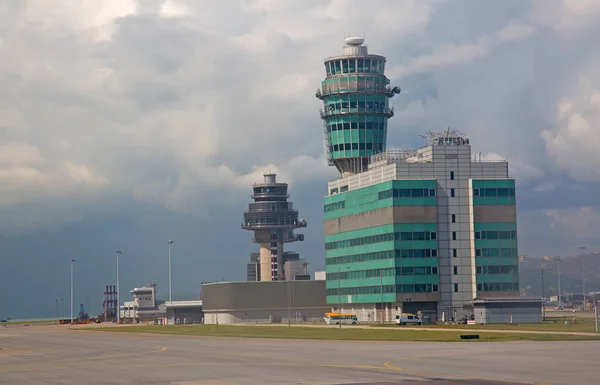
335, 206
383, 229
407, 193
484, 226
393, 193
381, 255
498, 286
494, 192
496, 252
494, 234
373, 289
387, 237
512, 269
417, 288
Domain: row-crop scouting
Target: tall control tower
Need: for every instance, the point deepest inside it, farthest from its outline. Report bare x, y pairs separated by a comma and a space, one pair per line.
355, 97
273, 220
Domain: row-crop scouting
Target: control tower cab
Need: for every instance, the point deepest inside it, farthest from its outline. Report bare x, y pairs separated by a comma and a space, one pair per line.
273, 220
356, 109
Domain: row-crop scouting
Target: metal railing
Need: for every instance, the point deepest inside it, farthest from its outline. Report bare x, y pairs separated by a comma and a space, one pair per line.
389, 112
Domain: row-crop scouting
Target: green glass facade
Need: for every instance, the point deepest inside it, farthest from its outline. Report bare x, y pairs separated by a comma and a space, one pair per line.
374, 264
494, 192
496, 250
355, 97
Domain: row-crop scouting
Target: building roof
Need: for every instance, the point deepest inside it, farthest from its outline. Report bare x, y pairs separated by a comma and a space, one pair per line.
180, 304
513, 299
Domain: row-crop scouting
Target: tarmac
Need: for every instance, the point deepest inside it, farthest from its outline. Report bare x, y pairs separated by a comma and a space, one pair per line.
60, 355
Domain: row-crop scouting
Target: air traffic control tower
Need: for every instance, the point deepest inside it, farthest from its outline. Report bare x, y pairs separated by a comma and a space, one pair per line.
355, 97
273, 220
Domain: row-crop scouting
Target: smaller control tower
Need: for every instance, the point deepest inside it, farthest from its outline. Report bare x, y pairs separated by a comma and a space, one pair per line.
273, 220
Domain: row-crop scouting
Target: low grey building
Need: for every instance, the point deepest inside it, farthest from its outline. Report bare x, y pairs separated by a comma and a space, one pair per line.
184, 312
264, 301
504, 310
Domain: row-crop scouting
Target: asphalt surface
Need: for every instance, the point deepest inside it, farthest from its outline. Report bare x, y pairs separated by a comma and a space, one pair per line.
57, 355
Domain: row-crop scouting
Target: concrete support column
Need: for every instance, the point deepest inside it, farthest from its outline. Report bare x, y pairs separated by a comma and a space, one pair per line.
265, 261
280, 271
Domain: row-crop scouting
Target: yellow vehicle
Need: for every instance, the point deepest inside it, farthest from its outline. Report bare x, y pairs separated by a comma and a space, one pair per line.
336, 318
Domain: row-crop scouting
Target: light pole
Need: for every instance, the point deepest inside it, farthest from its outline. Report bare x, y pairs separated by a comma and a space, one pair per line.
170, 242
558, 272
118, 252
289, 299
582, 248
543, 307
72, 261
520, 261
340, 296
381, 290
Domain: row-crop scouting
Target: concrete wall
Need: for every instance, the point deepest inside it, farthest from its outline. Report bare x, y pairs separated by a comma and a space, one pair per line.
500, 313
230, 302
186, 315
380, 217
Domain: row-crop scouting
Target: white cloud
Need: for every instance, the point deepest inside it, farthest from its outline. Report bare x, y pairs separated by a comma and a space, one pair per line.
517, 167
567, 17
452, 54
15, 154
581, 223
574, 141
174, 8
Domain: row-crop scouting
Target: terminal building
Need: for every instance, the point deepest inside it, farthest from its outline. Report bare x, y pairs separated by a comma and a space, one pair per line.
428, 229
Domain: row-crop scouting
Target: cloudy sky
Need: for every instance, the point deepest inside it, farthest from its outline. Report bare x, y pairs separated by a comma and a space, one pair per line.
124, 123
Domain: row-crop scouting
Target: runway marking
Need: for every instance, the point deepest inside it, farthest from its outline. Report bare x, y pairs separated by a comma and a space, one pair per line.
459, 376
26, 366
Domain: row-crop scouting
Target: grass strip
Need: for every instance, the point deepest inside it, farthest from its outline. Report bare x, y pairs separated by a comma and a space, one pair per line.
333, 333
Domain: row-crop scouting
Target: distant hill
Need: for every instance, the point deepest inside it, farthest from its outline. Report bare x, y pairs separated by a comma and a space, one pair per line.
570, 274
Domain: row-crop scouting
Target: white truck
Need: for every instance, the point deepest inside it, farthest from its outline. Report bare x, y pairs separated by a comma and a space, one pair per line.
407, 319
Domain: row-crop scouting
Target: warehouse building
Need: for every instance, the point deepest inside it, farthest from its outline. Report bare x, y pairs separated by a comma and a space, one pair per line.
264, 301
506, 310
184, 312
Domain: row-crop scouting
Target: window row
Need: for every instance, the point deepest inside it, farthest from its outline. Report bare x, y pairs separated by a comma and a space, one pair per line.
355, 83
493, 234
387, 237
288, 221
505, 286
378, 255
354, 98
366, 108
335, 206
270, 190
345, 126
385, 272
349, 66
386, 289
502, 269
493, 192
356, 146
496, 252
407, 193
